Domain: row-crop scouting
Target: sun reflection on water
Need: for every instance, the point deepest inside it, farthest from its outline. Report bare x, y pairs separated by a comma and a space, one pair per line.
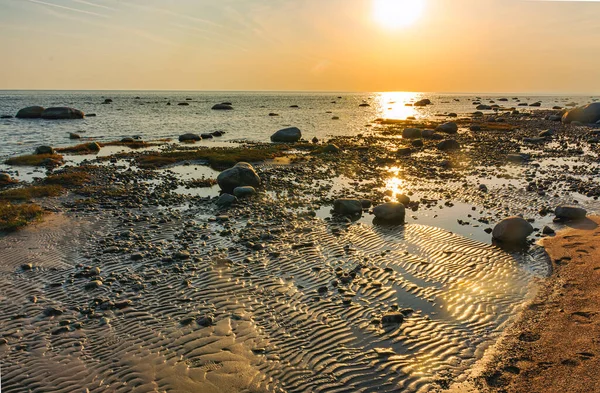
395, 183
392, 105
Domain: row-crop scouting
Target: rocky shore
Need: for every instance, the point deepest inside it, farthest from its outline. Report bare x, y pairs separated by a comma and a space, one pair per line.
289, 266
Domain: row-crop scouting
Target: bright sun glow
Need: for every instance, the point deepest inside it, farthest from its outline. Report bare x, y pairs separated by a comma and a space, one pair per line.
397, 13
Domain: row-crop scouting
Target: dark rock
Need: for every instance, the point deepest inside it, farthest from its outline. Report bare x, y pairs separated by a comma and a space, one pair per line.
584, 114
206, 136
189, 137
448, 128
411, 133
393, 212
44, 150
31, 112
287, 135
222, 107
392, 317
512, 230
242, 174
245, 191
74, 136
448, 145
226, 200
61, 113
565, 212
347, 207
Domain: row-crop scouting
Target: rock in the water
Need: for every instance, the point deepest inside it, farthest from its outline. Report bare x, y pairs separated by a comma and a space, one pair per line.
226, 200
448, 128
287, 135
206, 136
423, 102
31, 112
547, 230
242, 174
60, 113
74, 136
44, 150
244, 191
565, 212
411, 133
584, 114
222, 107
448, 145
127, 139
390, 212
107, 101
347, 206
512, 230
189, 137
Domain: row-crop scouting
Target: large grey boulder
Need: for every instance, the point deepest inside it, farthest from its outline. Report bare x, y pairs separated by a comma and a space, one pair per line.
242, 174
584, 114
392, 212
347, 206
565, 212
63, 112
31, 112
287, 135
448, 128
512, 230
411, 133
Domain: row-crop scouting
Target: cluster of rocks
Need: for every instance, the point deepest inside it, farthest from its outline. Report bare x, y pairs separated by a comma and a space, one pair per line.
54, 113
191, 137
389, 212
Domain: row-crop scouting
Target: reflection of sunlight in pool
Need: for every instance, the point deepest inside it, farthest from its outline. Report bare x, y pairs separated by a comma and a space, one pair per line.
392, 105
395, 184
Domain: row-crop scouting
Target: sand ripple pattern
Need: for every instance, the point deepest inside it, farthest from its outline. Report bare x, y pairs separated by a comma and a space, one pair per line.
274, 330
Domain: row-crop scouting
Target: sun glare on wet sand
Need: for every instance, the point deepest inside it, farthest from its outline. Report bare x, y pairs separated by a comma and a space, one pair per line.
395, 14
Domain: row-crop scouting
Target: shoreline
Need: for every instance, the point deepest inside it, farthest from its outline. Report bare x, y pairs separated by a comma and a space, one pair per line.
553, 344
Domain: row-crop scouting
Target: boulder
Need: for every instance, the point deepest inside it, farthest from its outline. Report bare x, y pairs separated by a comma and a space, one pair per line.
403, 199
63, 112
242, 174
584, 114
31, 112
217, 133
226, 200
74, 136
189, 137
107, 101
287, 135
512, 230
206, 136
536, 104
93, 146
44, 150
5, 179
569, 213
417, 142
127, 140
423, 102
483, 107
222, 107
411, 133
347, 207
244, 191
393, 212
448, 145
448, 128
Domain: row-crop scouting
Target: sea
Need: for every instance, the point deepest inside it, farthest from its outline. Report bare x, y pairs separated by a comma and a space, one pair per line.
255, 117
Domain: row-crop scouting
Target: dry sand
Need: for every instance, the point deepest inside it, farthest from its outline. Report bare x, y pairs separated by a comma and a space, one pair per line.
555, 345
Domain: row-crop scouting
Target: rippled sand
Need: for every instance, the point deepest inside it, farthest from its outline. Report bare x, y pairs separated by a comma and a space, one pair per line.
272, 330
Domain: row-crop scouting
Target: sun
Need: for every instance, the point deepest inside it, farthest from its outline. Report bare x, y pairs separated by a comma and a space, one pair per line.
394, 14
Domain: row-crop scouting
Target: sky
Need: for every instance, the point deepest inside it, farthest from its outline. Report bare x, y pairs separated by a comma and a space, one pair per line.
520, 46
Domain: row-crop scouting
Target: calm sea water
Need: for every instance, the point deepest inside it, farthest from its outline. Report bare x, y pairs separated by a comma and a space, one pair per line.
150, 117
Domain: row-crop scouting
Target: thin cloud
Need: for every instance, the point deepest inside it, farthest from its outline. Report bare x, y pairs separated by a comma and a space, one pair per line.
68, 8
84, 2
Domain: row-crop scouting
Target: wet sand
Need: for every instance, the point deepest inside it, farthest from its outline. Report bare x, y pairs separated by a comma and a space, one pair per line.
555, 346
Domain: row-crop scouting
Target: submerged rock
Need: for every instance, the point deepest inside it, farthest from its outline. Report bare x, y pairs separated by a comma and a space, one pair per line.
423, 102
565, 212
584, 114
31, 112
393, 212
287, 135
347, 206
61, 113
512, 230
242, 174
72, 135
